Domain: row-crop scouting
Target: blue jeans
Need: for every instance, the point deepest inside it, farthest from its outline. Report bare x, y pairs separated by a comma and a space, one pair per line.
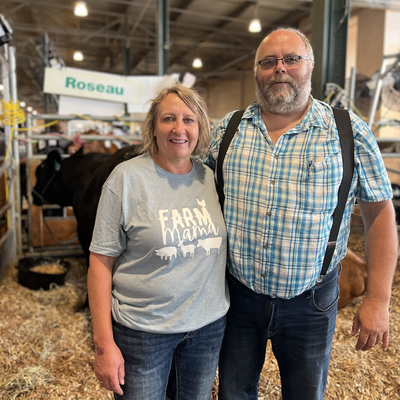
301, 332
149, 356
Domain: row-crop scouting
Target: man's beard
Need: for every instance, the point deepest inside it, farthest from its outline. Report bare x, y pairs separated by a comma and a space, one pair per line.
291, 97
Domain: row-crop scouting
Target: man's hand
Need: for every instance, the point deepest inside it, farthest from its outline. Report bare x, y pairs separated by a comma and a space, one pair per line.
372, 323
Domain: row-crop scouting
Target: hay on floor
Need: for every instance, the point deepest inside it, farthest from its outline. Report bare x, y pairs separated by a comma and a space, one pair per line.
46, 347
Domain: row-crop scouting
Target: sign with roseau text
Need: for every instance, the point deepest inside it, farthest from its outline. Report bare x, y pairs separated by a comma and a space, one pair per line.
92, 85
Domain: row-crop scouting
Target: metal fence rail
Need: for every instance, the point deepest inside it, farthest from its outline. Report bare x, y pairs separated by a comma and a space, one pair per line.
8, 243
68, 249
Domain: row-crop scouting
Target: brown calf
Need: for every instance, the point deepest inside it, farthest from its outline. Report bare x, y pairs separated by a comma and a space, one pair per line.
353, 279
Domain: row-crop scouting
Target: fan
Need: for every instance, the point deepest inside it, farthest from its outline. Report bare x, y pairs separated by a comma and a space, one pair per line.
391, 92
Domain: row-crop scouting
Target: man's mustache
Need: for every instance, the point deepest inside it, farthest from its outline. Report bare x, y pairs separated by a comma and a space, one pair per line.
281, 79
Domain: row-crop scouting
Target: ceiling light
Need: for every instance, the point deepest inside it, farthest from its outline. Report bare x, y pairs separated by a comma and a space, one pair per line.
78, 56
255, 25
81, 9
29, 109
197, 63
1, 87
22, 104
34, 112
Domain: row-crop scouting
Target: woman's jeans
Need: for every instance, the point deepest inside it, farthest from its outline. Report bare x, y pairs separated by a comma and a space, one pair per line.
149, 356
301, 332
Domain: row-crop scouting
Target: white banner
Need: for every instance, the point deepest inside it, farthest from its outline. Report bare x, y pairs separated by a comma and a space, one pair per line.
151, 85
98, 93
80, 106
92, 85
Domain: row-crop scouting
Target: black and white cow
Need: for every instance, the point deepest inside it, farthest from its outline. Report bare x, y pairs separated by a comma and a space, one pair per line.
77, 181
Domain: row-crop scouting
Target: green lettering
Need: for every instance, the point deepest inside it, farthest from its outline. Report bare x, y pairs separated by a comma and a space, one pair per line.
90, 86
70, 81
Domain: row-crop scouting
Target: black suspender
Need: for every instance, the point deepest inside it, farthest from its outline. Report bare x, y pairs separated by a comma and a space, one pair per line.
226, 140
345, 131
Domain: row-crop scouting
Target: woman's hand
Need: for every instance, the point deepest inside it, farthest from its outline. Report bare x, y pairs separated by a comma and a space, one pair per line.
109, 367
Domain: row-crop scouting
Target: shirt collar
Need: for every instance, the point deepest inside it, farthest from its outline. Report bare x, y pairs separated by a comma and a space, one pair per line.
315, 116
253, 112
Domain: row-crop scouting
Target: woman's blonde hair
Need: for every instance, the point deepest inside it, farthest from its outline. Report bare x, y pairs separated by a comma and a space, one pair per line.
194, 101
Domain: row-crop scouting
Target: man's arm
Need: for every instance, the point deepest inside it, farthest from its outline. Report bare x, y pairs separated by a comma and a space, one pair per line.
381, 246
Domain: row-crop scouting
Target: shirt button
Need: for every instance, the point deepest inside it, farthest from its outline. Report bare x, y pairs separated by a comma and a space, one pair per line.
269, 213
265, 247
276, 157
263, 275
272, 182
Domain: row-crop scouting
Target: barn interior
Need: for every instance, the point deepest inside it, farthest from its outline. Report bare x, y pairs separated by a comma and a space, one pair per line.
46, 343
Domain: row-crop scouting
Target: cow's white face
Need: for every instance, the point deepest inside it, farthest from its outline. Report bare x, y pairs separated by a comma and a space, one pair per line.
177, 134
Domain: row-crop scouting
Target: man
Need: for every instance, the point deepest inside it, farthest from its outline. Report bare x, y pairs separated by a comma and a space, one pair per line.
281, 174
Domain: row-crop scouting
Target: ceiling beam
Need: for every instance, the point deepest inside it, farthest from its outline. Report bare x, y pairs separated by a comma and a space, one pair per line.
173, 18
102, 29
289, 20
15, 9
48, 5
220, 25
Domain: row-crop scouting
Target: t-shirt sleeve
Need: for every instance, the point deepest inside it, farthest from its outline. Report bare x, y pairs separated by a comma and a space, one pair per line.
109, 237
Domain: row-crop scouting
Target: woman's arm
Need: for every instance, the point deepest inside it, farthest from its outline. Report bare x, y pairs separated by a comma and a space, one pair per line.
109, 363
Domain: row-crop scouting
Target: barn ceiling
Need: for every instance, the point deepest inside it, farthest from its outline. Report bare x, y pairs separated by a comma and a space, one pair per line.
215, 30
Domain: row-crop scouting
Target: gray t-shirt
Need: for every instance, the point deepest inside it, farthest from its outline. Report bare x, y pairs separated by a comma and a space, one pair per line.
168, 234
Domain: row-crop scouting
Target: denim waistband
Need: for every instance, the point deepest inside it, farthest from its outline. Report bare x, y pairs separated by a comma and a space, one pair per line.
326, 279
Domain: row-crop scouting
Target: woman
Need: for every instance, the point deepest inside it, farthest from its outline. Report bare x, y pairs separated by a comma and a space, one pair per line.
156, 280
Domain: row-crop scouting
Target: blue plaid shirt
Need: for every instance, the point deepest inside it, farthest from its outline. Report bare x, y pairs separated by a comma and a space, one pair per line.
279, 200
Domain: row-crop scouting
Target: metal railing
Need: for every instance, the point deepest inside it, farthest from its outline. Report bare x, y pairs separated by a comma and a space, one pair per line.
8, 246
31, 137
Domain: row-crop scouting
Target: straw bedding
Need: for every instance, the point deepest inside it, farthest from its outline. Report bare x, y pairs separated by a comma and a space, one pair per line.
46, 347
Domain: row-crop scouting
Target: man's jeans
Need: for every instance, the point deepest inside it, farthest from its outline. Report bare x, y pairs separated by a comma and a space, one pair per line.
148, 359
301, 332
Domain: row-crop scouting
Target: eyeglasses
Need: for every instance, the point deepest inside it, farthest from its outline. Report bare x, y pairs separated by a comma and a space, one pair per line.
288, 62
